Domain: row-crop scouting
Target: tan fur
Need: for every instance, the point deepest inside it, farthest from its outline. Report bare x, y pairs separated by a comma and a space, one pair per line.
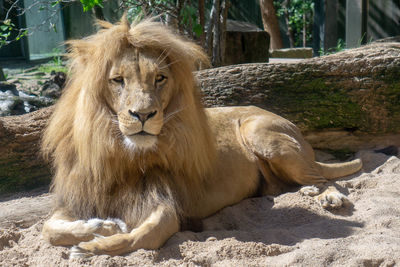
129, 139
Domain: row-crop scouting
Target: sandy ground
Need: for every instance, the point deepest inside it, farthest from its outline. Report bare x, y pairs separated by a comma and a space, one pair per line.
289, 230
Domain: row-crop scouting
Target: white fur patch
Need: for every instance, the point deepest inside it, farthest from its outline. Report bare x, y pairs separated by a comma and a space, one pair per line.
119, 222
76, 252
95, 223
309, 190
139, 142
332, 200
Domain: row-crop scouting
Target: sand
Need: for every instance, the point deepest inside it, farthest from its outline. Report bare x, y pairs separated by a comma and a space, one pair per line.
288, 230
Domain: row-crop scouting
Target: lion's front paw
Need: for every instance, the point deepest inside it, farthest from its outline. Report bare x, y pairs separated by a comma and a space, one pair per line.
88, 249
106, 227
109, 245
332, 199
77, 252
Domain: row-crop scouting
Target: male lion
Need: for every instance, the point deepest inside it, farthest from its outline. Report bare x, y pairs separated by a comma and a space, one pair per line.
129, 139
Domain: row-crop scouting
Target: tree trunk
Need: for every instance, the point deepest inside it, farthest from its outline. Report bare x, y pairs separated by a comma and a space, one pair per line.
223, 19
346, 100
216, 48
290, 33
98, 12
210, 30
354, 93
2, 76
179, 6
304, 29
21, 166
202, 22
271, 24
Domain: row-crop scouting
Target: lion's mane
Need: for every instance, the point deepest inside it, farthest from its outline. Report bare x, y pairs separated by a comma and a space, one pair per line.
95, 175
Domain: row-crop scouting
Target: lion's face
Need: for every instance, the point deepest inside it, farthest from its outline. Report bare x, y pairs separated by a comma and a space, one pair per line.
141, 85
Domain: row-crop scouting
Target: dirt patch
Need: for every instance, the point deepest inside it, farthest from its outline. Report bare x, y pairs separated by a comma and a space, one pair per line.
288, 230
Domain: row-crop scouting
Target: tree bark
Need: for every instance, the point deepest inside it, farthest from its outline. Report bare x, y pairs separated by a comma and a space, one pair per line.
304, 29
216, 45
2, 76
271, 24
210, 30
202, 21
290, 33
98, 13
353, 94
223, 20
179, 6
21, 165
349, 100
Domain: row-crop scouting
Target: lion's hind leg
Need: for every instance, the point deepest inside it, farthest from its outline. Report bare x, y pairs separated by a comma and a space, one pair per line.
63, 230
281, 147
285, 158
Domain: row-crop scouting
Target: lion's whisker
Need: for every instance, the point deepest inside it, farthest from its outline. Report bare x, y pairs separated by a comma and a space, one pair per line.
170, 115
169, 64
158, 61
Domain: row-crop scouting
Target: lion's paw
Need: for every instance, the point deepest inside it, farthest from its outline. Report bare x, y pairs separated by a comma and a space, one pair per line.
309, 190
332, 200
106, 227
77, 252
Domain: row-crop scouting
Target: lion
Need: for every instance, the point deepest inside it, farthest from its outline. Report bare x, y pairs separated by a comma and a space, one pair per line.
136, 156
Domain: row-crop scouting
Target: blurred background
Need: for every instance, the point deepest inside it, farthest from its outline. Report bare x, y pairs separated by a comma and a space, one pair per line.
36, 29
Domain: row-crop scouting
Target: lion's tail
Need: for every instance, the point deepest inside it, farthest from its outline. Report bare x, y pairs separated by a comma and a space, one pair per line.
336, 170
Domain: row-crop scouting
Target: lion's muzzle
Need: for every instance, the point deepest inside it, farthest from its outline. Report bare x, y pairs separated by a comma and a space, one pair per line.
142, 116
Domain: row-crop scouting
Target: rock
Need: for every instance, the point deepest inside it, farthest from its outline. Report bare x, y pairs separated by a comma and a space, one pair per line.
18, 103
11, 105
303, 52
52, 87
7, 86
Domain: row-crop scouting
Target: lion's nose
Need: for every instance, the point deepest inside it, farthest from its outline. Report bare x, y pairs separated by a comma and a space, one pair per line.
142, 116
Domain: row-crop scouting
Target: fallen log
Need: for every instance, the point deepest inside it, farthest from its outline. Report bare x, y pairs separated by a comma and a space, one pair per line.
349, 100
21, 164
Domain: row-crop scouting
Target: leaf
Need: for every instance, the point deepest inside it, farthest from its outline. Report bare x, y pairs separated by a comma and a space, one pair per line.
198, 30
53, 25
89, 4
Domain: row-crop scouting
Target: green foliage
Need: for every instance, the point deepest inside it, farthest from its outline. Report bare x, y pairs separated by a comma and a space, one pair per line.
341, 45
56, 64
299, 12
187, 16
57, 60
6, 29
89, 4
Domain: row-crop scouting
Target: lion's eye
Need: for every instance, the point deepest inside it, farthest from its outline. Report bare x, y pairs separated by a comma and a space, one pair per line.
118, 80
160, 78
